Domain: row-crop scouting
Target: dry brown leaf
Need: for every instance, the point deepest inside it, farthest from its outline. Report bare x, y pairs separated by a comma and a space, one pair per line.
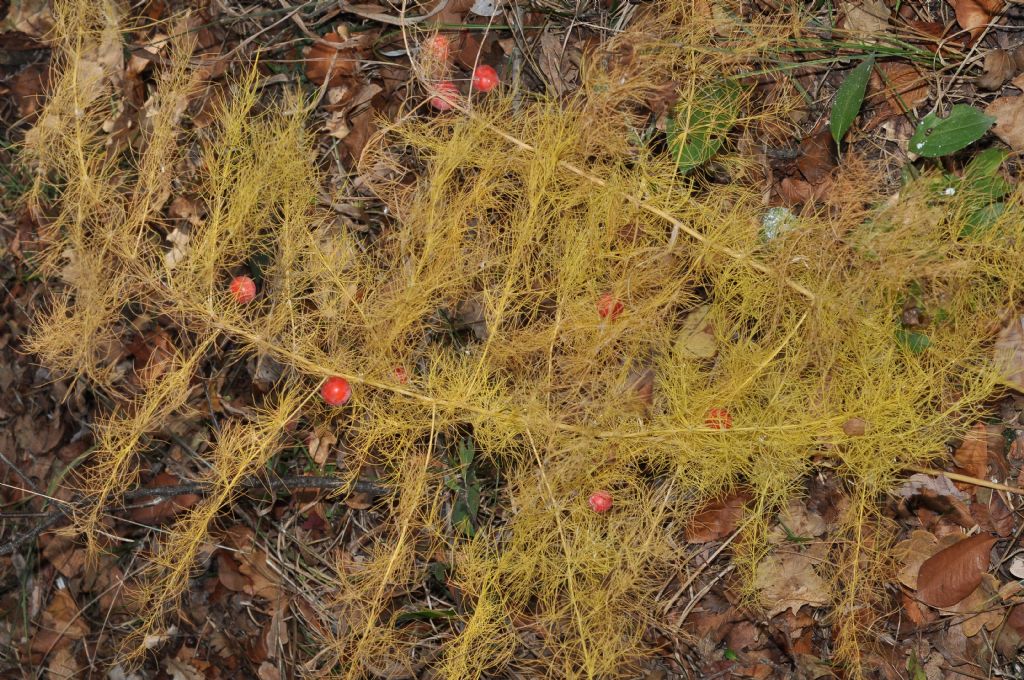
950, 575
974, 15
787, 580
800, 520
979, 609
866, 19
326, 61
901, 86
999, 67
817, 157
972, 456
1009, 346
63, 666
913, 552
717, 519
1009, 115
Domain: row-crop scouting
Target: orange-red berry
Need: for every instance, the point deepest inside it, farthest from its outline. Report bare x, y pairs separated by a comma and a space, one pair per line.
336, 391
437, 48
243, 289
600, 501
718, 419
446, 94
485, 78
401, 376
609, 307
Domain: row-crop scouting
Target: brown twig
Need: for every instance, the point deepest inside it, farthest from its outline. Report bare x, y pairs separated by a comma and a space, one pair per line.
289, 484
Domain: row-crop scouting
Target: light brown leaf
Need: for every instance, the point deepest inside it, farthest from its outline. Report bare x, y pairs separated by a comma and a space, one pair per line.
952, 574
914, 551
788, 581
999, 68
1009, 346
972, 456
866, 19
696, 338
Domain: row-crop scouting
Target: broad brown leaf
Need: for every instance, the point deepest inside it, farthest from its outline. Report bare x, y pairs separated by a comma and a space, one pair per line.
717, 519
974, 15
952, 574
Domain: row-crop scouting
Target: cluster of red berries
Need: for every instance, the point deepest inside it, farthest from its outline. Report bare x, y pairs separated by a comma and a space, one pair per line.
485, 78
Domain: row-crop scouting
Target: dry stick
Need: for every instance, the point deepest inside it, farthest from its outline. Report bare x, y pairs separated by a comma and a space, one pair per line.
957, 477
290, 484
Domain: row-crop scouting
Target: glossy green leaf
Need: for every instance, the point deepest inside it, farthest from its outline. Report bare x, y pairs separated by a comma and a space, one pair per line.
940, 136
849, 99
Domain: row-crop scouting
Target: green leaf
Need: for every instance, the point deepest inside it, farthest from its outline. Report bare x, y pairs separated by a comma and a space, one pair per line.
439, 572
730, 655
914, 341
985, 164
849, 99
982, 218
940, 136
424, 615
466, 452
698, 128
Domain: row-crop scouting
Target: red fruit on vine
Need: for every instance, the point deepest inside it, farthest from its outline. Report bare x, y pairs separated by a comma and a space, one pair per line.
336, 391
446, 94
485, 78
600, 501
437, 48
718, 419
401, 376
243, 289
609, 307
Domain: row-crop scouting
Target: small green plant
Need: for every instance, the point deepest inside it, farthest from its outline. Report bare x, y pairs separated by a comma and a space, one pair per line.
935, 136
849, 99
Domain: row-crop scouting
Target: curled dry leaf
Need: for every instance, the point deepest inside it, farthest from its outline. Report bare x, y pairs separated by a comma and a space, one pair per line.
952, 574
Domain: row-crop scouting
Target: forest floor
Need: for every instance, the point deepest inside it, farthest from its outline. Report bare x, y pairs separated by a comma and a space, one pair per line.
244, 614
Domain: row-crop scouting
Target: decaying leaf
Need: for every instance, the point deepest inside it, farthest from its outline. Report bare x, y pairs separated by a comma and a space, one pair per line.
914, 551
787, 580
950, 575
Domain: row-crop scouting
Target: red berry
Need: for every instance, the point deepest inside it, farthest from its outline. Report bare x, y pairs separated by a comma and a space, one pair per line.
485, 78
336, 391
600, 501
448, 94
718, 419
244, 289
401, 376
437, 48
609, 307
